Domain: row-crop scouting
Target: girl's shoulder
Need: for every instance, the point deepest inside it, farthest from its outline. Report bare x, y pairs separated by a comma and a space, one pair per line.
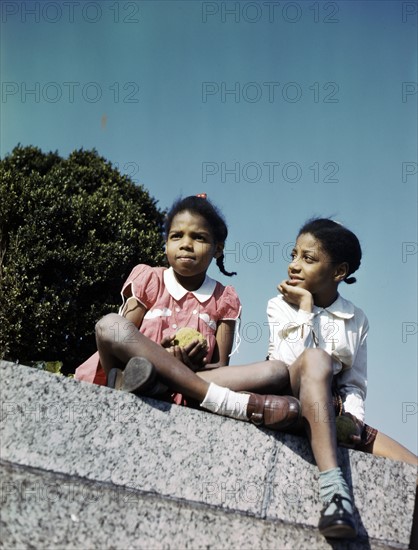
347, 310
145, 283
225, 290
349, 307
227, 301
143, 269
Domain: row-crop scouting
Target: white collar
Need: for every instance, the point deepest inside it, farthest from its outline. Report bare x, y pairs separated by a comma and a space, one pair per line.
340, 308
178, 292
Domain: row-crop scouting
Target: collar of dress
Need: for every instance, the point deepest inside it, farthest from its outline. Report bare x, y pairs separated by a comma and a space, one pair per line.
340, 308
178, 292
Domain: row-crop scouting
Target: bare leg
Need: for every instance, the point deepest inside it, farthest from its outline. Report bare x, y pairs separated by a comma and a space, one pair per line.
387, 447
310, 379
118, 340
264, 377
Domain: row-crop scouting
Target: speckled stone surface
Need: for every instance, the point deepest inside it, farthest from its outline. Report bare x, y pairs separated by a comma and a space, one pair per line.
52, 511
184, 464
383, 491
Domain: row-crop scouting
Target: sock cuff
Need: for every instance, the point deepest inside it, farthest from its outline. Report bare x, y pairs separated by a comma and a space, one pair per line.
332, 482
225, 402
214, 397
333, 473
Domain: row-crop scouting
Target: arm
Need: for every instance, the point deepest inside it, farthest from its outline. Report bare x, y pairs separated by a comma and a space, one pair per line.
351, 385
139, 292
224, 342
291, 330
133, 311
352, 382
299, 297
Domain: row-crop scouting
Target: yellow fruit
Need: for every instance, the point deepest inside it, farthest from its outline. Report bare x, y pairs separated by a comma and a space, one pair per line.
186, 335
345, 427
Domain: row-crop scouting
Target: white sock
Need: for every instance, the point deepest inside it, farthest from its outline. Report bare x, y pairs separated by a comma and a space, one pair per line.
226, 402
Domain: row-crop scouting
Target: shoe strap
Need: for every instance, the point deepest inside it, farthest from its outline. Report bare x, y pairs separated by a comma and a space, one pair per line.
257, 415
337, 499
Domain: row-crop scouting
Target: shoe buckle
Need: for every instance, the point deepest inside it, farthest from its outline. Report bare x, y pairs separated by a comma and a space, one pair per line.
256, 418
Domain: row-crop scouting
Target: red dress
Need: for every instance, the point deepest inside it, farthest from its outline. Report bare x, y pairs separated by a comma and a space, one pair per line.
170, 307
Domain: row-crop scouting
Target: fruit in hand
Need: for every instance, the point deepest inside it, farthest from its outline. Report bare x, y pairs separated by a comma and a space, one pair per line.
186, 335
346, 427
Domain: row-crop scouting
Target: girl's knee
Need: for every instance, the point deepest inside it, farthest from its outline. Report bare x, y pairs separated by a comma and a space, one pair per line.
105, 327
316, 363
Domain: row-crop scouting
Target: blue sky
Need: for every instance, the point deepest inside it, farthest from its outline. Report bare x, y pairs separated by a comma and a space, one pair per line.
279, 111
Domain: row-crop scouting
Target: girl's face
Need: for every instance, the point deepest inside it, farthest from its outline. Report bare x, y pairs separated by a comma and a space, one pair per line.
190, 246
312, 267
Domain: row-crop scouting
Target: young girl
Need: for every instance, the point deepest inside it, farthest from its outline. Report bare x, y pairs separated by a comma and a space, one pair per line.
158, 301
322, 338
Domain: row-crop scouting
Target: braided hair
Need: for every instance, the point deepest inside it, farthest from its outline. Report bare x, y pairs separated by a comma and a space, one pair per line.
202, 207
338, 242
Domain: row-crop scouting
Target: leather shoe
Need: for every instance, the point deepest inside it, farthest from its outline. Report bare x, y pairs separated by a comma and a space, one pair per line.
275, 412
139, 376
340, 524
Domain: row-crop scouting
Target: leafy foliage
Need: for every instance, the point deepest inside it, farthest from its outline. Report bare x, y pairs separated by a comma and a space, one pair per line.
70, 232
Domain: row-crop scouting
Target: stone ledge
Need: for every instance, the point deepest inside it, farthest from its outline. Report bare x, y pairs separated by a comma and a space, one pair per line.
47, 510
226, 471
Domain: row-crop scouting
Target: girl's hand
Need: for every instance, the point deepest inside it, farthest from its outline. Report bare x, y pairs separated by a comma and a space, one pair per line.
193, 355
294, 294
355, 438
167, 341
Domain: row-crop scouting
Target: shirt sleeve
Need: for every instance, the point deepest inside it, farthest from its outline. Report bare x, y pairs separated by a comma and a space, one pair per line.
143, 284
352, 382
291, 331
229, 305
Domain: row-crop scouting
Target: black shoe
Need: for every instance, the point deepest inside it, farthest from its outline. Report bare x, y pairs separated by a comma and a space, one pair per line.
340, 524
139, 376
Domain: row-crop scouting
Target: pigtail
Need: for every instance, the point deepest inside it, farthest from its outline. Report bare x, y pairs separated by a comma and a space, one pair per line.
350, 280
220, 264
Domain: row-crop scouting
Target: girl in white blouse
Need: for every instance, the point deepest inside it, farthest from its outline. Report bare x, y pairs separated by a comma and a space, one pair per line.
322, 338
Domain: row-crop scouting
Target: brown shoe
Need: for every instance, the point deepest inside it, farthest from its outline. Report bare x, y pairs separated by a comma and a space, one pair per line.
275, 412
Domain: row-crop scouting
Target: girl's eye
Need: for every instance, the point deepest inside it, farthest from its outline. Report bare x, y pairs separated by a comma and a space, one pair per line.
309, 259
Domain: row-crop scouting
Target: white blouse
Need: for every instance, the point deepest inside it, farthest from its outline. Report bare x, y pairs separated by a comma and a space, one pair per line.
340, 329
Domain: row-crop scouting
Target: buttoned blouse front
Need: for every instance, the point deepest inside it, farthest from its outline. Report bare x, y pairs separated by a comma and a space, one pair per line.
340, 330
170, 306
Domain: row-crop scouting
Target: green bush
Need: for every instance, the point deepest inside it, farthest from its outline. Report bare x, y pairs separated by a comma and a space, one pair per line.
70, 232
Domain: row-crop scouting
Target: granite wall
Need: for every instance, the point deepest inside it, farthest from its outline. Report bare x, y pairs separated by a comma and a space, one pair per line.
88, 467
